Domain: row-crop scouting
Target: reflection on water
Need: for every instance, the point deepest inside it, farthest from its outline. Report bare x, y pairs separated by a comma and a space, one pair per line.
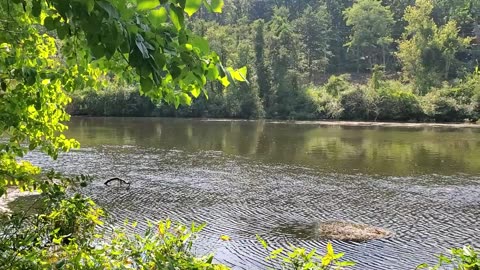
280, 180
375, 150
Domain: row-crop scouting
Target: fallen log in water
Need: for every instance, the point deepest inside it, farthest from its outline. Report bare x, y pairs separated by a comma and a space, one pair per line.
116, 179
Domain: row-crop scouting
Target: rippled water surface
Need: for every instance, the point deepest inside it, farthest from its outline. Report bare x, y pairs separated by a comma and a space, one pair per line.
280, 179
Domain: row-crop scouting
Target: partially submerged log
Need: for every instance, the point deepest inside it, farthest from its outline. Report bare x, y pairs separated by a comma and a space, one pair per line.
118, 180
349, 231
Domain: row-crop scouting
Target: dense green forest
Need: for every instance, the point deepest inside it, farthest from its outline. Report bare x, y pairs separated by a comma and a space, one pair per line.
391, 60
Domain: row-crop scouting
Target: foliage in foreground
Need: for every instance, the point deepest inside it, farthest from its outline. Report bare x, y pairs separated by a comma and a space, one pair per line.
69, 233
300, 259
466, 258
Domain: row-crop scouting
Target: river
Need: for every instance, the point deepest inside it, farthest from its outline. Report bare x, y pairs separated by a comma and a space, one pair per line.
280, 179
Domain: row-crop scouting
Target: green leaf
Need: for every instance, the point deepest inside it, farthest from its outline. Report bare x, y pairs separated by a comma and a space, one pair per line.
90, 5
158, 16
330, 249
111, 10
275, 253
146, 84
200, 43
224, 81
422, 266
62, 31
98, 51
36, 8
176, 15
345, 264
262, 241
243, 73
147, 4
192, 6
238, 75
186, 99
225, 238
49, 23
217, 5
142, 47
176, 102
212, 73
196, 92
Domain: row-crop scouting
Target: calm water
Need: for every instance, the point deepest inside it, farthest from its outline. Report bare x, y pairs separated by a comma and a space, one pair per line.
280, 179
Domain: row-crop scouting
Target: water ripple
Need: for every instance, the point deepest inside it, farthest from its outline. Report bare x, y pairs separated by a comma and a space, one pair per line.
241, 198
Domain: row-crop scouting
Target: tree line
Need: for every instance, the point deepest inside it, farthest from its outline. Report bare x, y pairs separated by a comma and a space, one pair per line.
407, 60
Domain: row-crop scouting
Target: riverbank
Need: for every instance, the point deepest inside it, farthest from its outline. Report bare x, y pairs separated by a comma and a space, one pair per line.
361, 123
310, 122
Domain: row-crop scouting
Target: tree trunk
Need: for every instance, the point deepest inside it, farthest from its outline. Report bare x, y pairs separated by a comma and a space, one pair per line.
384, 56
447, 68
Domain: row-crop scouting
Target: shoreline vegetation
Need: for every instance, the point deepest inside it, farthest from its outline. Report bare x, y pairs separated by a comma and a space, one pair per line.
339, 99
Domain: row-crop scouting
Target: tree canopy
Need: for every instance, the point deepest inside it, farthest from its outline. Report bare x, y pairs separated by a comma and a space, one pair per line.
51, 47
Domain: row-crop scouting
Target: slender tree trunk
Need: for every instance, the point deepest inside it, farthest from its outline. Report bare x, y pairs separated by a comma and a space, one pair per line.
447, 68
384, 56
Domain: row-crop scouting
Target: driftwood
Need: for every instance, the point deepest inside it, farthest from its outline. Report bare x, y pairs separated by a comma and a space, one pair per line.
116, 179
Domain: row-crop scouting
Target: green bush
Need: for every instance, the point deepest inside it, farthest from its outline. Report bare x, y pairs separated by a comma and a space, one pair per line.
356, 104
324, 104
442, 108
111, 102
338, 84
396, 103
300, 259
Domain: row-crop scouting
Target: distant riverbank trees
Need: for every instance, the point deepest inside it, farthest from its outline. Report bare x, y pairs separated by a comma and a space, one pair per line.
407, 61
380, 99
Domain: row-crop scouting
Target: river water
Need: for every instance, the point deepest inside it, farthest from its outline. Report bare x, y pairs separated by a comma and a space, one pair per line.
279, 180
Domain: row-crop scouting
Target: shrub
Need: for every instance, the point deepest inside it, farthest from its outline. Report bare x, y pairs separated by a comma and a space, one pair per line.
356, 104
398, 103
323, 104
300, 259
338, 84
111, 102
441, 108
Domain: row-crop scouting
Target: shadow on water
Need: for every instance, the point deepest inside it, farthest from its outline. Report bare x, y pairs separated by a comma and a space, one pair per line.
279, 180
26, 204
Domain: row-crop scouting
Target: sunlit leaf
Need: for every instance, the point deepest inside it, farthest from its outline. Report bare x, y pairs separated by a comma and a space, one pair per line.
262, 241
217, 5
147, 4
90, 5
225, 238
200, 43
330, 249
158, 16
191, 6
176, 15
224, 81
